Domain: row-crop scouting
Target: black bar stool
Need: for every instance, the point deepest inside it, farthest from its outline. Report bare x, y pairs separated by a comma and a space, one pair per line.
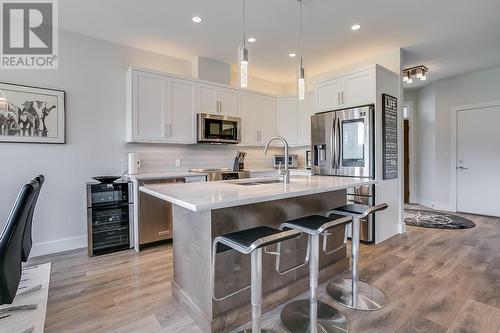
353, 293
250, 241
313, 315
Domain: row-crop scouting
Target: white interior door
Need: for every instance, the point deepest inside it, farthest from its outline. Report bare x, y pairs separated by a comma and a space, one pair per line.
478, 161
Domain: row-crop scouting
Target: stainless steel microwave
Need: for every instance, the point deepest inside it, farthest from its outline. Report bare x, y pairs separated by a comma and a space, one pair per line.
214, 128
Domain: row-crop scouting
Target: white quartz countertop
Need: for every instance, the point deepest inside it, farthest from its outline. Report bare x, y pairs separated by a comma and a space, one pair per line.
223, 194
163, 175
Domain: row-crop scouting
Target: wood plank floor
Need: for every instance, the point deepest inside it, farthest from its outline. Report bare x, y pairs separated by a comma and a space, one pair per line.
436, 281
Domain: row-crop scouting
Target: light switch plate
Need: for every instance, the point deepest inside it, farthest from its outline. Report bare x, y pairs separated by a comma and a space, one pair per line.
177, 162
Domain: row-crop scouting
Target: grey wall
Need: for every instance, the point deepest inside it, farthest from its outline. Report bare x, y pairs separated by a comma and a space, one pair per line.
434, 104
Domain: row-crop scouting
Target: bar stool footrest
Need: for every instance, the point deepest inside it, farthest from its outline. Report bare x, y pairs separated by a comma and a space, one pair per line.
369, 298
295, 317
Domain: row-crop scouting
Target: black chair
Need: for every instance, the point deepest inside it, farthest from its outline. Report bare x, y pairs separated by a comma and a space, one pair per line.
27, 238
11, 243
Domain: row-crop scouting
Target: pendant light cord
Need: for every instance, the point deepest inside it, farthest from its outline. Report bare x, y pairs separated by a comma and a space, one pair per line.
300, 31
244, 28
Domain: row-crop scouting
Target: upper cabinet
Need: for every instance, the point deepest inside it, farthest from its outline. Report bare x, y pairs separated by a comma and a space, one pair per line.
258, 118
160, 109
294, 119
147, 116
217, 100
305, 111
181, 111
346, 91
287, 117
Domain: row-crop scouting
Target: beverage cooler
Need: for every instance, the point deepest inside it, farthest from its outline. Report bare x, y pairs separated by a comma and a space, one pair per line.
109, 216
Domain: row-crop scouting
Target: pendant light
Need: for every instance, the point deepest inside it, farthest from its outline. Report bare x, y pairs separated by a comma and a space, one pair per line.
301, 77
243, 54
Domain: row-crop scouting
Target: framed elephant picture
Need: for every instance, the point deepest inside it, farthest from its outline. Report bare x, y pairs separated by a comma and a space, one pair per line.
31, 114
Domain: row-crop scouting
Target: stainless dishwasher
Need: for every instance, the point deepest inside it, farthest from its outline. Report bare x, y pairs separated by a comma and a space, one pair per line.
155, 215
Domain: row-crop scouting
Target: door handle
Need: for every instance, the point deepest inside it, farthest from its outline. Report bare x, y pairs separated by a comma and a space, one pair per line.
333, 143
342, 97
338, 146
338, 97
462, 168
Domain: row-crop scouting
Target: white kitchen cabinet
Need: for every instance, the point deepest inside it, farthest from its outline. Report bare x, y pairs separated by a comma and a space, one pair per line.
207, 98
215, 100
228, 102
160, 109
249, 134
266, 118
360, 88
305, 111
351, 90
258, 118
287, 119
147, 116
181, 111
294, 119
330, 95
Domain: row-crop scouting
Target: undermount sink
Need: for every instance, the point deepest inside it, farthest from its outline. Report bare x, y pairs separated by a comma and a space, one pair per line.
259, 182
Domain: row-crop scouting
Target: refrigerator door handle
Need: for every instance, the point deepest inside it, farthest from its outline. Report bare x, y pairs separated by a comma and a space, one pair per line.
333, 143
338, 146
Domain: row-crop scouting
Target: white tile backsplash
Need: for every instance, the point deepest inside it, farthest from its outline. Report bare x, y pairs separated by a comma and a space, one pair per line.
159, 158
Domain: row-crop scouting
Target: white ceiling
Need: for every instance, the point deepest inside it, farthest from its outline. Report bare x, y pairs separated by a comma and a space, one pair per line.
448, 36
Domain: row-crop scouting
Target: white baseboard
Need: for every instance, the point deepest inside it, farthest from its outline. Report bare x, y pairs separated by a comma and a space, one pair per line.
432, 204
60, 245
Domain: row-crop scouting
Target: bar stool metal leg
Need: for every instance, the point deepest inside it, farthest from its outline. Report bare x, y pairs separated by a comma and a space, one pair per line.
256, 293
353, 293
304, 316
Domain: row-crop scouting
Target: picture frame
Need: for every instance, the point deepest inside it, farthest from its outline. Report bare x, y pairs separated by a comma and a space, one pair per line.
389, 137
32, 114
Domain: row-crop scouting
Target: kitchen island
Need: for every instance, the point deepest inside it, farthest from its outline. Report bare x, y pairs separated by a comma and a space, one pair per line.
203, 211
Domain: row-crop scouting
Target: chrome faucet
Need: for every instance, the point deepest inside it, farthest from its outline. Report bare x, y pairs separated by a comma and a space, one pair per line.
282, 172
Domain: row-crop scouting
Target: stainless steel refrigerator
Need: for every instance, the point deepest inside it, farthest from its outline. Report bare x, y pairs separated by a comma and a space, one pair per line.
343, 144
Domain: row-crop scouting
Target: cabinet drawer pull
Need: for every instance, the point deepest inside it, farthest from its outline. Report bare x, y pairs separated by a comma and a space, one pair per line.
163, 233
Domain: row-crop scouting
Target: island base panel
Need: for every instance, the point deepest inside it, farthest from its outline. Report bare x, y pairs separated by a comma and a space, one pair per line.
194, 233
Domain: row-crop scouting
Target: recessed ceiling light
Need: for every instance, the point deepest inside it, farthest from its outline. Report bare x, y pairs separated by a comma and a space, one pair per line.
251, 40
196, 19
355, 27
292, 55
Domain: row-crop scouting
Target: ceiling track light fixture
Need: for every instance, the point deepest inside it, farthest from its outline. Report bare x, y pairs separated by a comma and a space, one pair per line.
419, 72
301, 77
243, 54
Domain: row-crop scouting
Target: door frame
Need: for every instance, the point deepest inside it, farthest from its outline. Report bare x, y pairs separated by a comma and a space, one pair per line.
454, 144
413, 198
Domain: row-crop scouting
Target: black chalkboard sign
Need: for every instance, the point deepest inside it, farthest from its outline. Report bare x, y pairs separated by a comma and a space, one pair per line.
389, 136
